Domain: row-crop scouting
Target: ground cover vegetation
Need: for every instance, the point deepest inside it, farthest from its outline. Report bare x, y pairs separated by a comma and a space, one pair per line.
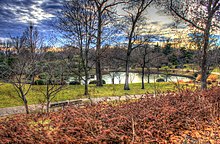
183, 117
91, 30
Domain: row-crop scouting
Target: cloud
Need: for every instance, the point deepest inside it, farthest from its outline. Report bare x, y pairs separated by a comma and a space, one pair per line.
52, 6
15, 15
2, 39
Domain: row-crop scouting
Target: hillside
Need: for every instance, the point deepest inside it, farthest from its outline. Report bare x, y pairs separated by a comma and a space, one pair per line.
188, 116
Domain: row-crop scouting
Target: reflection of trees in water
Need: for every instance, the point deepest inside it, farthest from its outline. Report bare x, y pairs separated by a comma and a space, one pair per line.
165, 77
132, 77
118, 76
112, 75
152, 77
149, 78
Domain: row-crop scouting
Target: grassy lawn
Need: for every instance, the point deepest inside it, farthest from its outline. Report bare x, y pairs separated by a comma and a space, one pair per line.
8, 96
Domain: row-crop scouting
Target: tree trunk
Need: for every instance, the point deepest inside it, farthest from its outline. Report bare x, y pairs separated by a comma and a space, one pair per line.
204, 54
98, 47
148, 75
142, 78
48, 106
157, 71
129, 50
79, 76
86, 90
25, 104
204, 71
119, 79
113, 78
166, 74
126, 86
98, 73
143, 66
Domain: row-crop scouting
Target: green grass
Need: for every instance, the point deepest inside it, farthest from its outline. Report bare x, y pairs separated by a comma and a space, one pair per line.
186, 67
9, 98
217, 69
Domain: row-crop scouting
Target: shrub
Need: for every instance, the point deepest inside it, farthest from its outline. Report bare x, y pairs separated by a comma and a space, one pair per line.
40, 82
209, 81
42, 76
177, 67
195, 74
74, 83
198, 78
158, 119
180, 81
57, 82
160, 80
95, 82
211, 78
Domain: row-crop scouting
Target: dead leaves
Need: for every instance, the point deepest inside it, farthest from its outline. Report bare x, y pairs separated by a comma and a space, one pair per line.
186, 117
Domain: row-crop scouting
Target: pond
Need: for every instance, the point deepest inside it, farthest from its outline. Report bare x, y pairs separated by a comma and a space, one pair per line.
119, 78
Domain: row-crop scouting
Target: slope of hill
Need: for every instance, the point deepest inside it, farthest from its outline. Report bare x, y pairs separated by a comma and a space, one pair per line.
185, 117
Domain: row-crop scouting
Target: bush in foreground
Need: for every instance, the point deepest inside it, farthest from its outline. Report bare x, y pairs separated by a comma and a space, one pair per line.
167, 118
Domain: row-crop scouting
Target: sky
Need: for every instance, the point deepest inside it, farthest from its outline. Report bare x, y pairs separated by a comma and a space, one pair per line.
16, 15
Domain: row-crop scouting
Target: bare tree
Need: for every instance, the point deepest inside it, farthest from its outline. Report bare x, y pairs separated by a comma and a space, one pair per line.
147, 56
202, 15
7, 48
134, 18
20, 73
114, 60
53, 80
143, 53
104, 14
18, 43
31, 38
197, 41
77, 22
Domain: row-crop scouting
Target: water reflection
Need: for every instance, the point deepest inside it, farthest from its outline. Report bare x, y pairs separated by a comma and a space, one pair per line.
119, 78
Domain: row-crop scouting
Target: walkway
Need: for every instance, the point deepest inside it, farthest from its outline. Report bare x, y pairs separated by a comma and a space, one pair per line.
36, 108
